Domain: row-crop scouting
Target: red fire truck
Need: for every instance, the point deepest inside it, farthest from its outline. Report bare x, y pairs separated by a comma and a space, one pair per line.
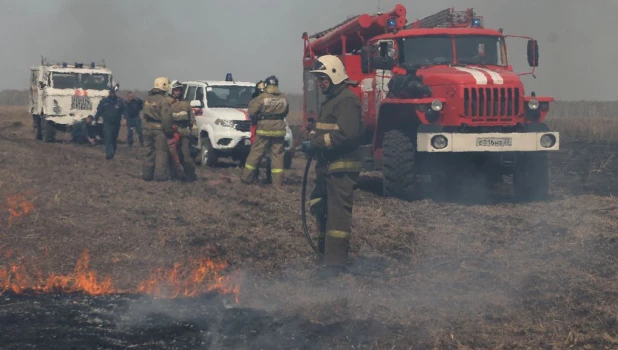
439, 98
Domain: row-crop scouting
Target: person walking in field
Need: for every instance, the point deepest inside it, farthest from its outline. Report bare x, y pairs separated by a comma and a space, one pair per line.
134, 107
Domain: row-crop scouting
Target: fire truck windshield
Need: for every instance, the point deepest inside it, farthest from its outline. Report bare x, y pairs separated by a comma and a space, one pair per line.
229, 96
62, 80
471, 49
66, 80
95, 81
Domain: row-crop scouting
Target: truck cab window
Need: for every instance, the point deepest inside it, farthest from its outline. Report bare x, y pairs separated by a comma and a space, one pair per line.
426, 50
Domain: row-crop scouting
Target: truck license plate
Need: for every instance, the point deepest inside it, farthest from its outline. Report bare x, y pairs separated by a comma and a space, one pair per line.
494, 141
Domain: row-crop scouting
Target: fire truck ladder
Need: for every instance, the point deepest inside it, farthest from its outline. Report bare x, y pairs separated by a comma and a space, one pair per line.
326, 31
448, 18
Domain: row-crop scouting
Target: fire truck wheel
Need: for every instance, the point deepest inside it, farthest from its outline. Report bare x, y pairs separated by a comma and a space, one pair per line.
531, 176
36, 126
48, 132
399, 166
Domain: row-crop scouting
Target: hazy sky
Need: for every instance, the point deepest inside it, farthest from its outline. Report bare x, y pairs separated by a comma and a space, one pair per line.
204, 39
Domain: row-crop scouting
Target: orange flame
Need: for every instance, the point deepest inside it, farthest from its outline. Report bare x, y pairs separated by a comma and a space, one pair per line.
199, 277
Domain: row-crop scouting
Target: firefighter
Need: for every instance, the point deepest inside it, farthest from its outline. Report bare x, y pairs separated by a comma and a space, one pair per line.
335, 145
270, 110
111, 108
183, 119
158, 130
259, 89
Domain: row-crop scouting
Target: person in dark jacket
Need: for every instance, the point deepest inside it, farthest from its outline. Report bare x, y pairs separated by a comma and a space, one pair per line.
133, 121
84, 132
335, 144
111, 108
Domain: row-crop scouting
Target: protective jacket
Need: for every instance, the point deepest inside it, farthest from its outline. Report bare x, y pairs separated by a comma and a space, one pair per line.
111, 109
133, 108
338, 131
157, 112
182, 115
270, 109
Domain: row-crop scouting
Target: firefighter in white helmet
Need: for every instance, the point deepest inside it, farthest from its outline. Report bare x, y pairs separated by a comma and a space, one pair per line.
335, 144
158, 128
183, 119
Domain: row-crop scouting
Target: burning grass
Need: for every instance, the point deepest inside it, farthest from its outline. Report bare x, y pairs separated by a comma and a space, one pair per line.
198, 276
547, 281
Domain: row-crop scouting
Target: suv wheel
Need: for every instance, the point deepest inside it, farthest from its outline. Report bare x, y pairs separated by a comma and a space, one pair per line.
208, 157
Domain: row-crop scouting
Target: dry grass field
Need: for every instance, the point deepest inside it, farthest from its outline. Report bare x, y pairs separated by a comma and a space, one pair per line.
482, 272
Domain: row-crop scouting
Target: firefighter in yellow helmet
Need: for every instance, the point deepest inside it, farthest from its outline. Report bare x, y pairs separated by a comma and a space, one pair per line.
270, 110
335, 145
158, 129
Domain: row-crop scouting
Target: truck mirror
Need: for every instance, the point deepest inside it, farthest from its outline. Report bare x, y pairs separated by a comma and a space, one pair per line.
384, 48
386, 63
365, 61
533, 53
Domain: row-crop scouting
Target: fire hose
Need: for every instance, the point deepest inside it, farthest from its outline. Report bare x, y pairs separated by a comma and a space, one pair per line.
172, 144
373, 275
303, 207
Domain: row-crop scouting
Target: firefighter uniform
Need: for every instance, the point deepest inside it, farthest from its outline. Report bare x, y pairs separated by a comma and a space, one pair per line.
335, 141
270, 110
158, 128
183, 118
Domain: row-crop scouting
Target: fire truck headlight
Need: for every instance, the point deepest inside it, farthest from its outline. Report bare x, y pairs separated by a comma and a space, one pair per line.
436, 105
533, 104
548, 141
391, 52
439, 142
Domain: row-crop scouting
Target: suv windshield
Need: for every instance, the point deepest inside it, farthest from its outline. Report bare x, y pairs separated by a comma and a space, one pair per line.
471, 49
232, 96
65, 80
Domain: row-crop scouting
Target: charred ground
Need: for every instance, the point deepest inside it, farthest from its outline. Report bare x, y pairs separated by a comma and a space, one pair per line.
484, 273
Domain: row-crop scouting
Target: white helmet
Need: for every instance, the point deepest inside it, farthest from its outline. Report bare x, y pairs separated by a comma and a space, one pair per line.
173, 85
332, 67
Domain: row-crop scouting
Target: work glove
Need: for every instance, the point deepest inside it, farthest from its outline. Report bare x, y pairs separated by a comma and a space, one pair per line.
308, 148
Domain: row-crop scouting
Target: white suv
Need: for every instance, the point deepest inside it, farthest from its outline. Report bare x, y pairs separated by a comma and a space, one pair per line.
223, 126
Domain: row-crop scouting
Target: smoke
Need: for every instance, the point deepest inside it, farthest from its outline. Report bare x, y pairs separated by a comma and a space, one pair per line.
136, 39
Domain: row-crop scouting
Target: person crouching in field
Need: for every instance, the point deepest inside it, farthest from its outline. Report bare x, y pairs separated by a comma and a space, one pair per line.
84, 132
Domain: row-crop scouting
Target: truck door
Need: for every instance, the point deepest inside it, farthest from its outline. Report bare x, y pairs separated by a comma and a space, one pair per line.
34, 91
383, 76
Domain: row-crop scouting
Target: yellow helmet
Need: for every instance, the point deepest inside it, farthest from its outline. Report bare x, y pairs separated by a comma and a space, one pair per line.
332, 67
162, 83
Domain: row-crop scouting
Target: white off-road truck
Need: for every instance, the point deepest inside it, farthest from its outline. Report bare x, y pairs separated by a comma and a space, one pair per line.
223, 127
61, 94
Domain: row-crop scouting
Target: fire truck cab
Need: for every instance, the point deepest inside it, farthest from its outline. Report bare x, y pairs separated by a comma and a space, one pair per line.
439, 98
62, 93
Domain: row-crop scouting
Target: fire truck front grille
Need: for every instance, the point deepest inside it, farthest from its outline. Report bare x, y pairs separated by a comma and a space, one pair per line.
491, 102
